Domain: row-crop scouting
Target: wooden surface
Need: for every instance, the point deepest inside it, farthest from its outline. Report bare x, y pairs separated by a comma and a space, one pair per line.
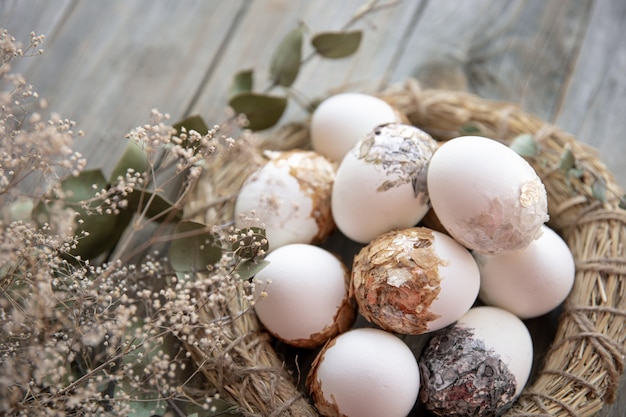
108, 63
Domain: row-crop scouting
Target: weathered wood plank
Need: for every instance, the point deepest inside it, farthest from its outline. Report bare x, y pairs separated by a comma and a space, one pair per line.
41, 16
563, 61
112, 62
517, 51
21, 18
107, 63
384, 30
594, 105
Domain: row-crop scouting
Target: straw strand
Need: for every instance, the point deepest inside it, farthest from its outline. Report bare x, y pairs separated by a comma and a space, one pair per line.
582, 367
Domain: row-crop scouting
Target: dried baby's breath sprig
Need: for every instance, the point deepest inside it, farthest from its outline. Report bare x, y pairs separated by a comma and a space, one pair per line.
34, 150
94, 321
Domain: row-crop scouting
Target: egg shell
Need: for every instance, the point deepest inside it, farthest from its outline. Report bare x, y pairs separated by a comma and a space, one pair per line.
414, 280
487, 196
341, 120
529, 282
307, 300
380, 184
477, 366
365, 372
289, 197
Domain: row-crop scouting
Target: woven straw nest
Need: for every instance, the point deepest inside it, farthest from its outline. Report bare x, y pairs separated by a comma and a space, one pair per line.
580, 370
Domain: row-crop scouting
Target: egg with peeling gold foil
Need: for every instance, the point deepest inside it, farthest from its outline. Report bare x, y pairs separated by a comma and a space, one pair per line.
414, 280
289, 197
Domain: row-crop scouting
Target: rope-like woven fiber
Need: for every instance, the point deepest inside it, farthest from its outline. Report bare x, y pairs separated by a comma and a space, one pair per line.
244, 369
582, 368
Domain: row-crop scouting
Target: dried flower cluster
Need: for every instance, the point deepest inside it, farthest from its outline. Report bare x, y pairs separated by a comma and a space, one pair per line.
91, 322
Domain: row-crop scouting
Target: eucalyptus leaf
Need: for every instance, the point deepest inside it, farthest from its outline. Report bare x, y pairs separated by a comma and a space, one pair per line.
77, 190
470, 129
243, 82
133, 158
193, 122
567, 160
18, 210
263, 111
144, 403
524, 145
598, 190
575, 172
286, 60
194, 249
337, 44
250, 241
250, 267
145, 400
159, 208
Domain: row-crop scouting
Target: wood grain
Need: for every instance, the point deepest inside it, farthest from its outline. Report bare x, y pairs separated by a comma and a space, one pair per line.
108, 63
594, 105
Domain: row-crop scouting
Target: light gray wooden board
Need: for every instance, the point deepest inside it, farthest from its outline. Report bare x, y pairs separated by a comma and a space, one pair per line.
594, 106
318, 76
21, 18
108, 63
111, 62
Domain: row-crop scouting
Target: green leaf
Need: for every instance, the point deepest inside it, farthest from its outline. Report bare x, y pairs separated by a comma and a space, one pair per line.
285, 63
194, 248
567, 161
250, 267
524, 145
133, 158
159, 208
242, 83
143, 404
598, 190
18, 210
76, 190
193, 122
337, 44
145, 399
250, 241
575, 172
470, 129
262, 111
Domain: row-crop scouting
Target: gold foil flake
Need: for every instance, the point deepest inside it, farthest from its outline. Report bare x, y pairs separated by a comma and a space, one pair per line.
402, 152
532, 192
315, 176
398, 276
395, 279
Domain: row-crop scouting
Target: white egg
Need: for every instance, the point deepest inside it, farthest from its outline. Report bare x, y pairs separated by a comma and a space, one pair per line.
414, 280
531, 281
380, 184
487, 196
303, 295
365, 372
290, 197
477, 366
340, 121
